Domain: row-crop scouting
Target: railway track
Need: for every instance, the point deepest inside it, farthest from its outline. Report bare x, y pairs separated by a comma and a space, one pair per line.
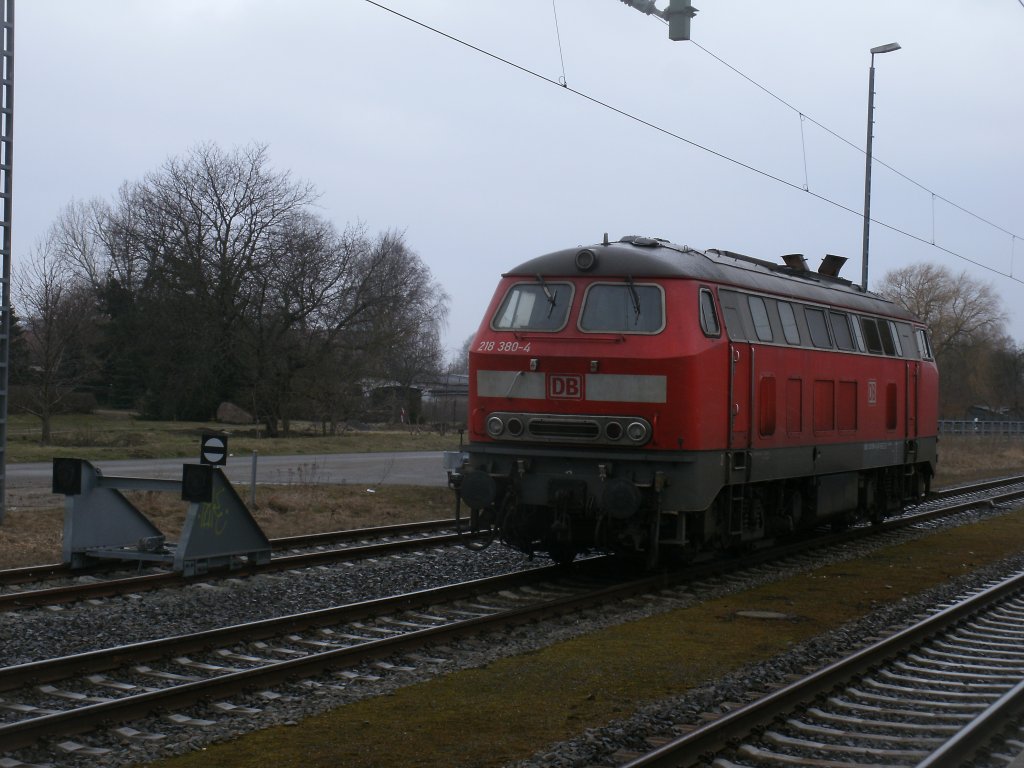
35, 573
54, 698
939, 693
319, 549
57, 697
49, 583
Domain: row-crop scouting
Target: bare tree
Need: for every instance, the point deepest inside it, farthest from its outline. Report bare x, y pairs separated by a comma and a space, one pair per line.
215, 281
966, 320
59, 321
957, 308
460, 364
385, 321
76, 236
190, 248
283, 334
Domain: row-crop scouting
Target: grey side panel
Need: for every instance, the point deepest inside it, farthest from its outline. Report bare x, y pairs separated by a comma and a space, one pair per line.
618, 388
510, 384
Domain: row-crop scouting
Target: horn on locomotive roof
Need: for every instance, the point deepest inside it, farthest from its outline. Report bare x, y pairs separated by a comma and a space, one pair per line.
831, 265
796, 261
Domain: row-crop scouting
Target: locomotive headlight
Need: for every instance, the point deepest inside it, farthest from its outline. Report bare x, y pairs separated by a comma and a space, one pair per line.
637, 432
613, 430
515, 426
495, 426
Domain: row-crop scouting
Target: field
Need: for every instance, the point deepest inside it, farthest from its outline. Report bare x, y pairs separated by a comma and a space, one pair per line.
114, 435
31, 532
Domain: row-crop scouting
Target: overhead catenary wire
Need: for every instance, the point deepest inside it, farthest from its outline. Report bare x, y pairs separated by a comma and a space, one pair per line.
721, 155
850, 143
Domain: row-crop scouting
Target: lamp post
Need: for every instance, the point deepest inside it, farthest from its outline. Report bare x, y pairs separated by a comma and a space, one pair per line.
867, 162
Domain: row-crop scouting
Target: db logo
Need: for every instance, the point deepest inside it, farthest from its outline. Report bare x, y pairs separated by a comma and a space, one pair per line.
564, 386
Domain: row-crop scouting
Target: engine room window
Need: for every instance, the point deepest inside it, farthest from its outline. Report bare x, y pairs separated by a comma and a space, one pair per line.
789, 326
871, 337
897, 344
858, 335
708, 318
885, 332
539, 306
758, 311
841, 329
818, 327
623, 308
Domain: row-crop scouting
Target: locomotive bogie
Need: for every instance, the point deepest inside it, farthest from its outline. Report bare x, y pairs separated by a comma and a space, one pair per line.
645, 397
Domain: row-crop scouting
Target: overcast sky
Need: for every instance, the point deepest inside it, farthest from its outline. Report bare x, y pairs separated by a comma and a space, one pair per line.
484, 164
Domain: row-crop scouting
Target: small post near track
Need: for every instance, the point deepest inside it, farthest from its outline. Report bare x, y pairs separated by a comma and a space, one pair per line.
252, 480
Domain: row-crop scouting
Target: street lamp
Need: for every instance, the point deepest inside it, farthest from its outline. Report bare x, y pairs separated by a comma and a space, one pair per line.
889, 47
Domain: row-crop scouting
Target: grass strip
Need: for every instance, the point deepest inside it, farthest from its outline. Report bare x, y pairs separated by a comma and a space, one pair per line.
510, 708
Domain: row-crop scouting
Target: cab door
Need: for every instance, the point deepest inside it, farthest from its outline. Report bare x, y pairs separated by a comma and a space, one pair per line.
912, 384
741, 393
740, 400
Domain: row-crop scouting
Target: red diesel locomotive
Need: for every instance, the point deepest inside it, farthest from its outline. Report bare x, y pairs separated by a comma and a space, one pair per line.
644, 397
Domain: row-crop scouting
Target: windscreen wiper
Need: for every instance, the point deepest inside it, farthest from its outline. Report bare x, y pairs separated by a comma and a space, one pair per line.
552, 297
634, 296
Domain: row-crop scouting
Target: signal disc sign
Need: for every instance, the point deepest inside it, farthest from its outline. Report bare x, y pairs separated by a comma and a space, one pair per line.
214, 450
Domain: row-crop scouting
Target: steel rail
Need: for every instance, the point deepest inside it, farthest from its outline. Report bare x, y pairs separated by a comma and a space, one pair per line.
29, 573
697, 745
89, 662
147, 582
962, 748
25, 732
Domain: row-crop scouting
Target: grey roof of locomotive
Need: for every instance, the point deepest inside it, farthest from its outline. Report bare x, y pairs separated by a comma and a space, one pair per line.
643, 257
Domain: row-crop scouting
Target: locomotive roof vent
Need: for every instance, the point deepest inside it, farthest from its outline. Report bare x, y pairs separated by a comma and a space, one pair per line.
640, 240
796, 261
831, 265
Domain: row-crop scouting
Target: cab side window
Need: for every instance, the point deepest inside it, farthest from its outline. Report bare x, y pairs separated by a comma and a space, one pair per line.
708, 317
924, 346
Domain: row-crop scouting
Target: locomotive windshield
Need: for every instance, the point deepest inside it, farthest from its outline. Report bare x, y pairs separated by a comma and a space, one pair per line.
539, 306
623, 308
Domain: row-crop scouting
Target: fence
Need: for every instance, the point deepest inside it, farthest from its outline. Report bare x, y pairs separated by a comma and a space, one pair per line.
978, 427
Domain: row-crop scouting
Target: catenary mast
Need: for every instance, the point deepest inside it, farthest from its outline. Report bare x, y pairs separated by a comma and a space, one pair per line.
6, 155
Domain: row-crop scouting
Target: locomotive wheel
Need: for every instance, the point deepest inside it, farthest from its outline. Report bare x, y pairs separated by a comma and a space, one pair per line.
562, 554
481, 521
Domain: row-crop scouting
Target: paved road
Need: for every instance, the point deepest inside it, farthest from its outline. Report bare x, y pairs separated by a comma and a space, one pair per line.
410, 468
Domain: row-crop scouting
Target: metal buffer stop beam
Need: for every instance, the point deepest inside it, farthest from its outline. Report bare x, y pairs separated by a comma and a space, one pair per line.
101, 523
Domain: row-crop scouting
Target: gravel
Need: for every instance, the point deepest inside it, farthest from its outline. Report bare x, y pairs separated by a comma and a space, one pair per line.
43, 633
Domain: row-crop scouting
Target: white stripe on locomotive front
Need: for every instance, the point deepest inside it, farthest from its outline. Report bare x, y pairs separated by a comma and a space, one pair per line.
598, 387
